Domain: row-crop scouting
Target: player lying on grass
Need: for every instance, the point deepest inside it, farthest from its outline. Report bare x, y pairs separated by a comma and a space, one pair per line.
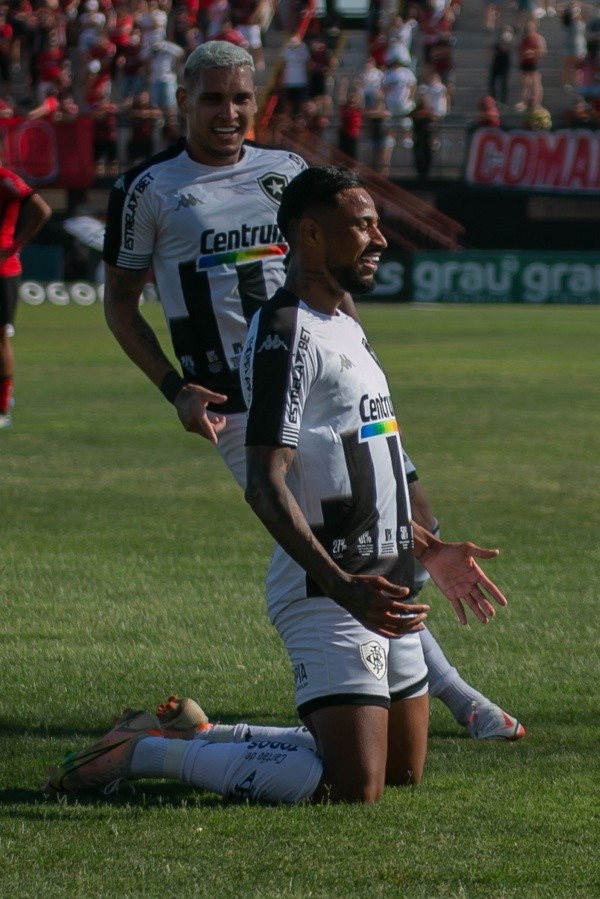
326, 477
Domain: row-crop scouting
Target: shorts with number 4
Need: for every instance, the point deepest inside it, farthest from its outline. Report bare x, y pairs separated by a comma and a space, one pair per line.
337, 661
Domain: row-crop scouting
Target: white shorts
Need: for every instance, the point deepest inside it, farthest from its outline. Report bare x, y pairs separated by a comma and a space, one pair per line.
337, 661
231, 446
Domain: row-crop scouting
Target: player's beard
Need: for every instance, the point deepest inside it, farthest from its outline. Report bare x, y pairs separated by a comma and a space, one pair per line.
349, 279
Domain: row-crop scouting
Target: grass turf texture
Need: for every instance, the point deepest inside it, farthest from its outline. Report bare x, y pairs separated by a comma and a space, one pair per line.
130, 568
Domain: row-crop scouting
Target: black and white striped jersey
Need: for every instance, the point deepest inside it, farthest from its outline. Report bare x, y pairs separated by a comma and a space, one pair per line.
210, 234
312, 382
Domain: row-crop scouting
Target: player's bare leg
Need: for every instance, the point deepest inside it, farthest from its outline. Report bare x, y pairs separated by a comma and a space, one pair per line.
407, 740
352, 744
6, 372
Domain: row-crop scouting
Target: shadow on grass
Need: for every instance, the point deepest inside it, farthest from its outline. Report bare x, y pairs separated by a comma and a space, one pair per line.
147, 795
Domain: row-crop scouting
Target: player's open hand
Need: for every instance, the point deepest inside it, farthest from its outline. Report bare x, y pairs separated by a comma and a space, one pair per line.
191, 403
377, 603
453, 568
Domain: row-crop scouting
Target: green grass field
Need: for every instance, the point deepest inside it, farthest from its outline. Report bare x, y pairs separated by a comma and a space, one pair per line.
130, 568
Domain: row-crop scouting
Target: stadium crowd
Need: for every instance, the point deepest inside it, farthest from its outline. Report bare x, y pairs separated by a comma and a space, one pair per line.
119, 62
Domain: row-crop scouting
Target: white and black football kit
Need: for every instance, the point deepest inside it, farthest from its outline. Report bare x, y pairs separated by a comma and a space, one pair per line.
211, 236
313, 383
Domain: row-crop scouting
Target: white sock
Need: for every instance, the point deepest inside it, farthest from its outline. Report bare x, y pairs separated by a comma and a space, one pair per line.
446, 683
243, 733
265, 771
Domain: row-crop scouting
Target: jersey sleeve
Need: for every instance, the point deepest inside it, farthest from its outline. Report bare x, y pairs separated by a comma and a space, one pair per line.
130, 223
278, 369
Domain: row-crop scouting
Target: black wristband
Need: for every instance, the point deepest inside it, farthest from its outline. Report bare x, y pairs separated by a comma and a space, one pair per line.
170, 385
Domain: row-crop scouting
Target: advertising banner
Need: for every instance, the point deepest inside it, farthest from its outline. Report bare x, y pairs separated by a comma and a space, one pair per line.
567, 160
483, 276
47, 154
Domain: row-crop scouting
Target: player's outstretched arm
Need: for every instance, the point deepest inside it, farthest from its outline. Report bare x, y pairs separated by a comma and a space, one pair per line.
372, 600
453, 569
122, 291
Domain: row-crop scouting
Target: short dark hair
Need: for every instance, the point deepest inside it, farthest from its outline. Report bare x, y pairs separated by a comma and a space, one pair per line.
315, 187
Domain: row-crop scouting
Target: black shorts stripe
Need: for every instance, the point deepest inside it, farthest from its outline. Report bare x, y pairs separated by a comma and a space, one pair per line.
356, 699
410, 691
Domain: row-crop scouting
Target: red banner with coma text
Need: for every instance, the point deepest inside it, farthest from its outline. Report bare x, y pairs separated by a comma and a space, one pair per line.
48, 154
566, 160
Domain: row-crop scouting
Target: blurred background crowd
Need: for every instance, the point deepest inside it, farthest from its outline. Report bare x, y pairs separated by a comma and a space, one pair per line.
118, 62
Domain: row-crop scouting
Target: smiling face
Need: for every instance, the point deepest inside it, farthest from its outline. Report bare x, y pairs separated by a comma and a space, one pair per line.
219, 106
352, 241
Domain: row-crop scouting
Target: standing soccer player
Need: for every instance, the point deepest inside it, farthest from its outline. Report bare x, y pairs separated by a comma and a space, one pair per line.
22, 214
204, 215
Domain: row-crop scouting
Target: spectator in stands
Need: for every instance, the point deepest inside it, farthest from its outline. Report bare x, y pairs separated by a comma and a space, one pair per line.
370, 79
532, 48
67, 110
91, 21
377, 118
500, 64
592, 30
7, 110
216, 12
580, 115
143, 116
526, 12
400, 42
48, 64
574, 46
311, 119
120, 27
22, 21
246, 16
132, 65
6, 36
535, 117
97, 85
490, 15
423, 119
295, 56
104, 51
163, 61
488, 115
350, 112
153, 24
320, 66
438, 96
230, 34
47, 108
399, 85
104, 114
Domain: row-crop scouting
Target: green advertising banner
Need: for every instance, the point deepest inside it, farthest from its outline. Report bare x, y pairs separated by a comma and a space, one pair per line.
482, 276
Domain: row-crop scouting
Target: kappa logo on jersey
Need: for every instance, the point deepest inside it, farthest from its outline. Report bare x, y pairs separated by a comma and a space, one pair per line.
374, 658
345, 363
184, 201
272, 185
272, 342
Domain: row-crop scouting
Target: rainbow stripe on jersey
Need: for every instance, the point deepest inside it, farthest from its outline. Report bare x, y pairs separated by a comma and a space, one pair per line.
239, 257
377, 428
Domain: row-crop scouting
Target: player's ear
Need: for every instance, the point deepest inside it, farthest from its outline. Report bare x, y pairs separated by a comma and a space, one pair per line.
310, 231
181, 97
